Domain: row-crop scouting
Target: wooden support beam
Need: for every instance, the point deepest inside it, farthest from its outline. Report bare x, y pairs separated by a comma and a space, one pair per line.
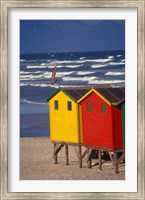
55, 146
55, 156
58, 148
119, 151
80, 156
89, 151
120, 158
84, 153
111, 158
76, 152
89, 158
90, 163
66, 154
100, 160
115, 161
88, 154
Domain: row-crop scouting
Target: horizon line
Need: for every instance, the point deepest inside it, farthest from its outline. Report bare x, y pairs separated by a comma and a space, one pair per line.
70, 51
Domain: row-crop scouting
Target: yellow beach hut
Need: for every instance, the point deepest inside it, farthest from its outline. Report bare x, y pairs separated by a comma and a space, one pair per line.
65, 122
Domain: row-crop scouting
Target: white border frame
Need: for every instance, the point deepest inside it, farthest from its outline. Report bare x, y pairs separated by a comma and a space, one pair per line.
130, 182
140, 5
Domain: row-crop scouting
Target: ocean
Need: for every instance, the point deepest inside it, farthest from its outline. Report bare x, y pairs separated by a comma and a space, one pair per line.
73, 69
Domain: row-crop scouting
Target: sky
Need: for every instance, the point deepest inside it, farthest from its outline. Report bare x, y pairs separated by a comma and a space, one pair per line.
45, 36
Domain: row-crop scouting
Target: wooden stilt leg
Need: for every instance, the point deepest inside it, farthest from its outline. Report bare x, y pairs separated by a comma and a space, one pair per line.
115, 162
100, 160
76, 152
90, 163
57, 148
115, 156
111, 158
66, 154
121, 158
89, 160
55, 156
80, 156
84, 153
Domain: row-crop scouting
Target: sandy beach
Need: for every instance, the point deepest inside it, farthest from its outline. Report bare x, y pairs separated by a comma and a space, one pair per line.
36, 163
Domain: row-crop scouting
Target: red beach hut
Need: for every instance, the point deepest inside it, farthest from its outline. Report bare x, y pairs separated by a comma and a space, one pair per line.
102, 117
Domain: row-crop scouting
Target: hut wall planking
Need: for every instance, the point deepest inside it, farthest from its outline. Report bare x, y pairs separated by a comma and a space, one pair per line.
97, 126
90, 116
64, 121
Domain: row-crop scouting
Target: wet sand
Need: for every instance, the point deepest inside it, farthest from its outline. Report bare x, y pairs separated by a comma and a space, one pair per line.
36, 163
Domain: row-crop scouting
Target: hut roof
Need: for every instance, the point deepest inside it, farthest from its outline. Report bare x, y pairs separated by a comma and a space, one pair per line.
75, 93
53, 94
115, 96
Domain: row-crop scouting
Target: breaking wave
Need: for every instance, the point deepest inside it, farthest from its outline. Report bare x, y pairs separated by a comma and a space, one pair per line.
51, 66
99, 66
72, 70
43, 66
31, 77
85, 72
23, 72
107, 64
39, 85
85, 78
58, 74
110, 57
31, 102
86, 60
114, 73
73, 66
105, 81
22, 60
45, 75
117, 63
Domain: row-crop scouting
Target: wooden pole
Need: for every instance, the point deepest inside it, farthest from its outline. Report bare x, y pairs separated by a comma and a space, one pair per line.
90, 163
121, 158
115, 162
76, 151
111, 158
80, 156
84, 153
66, 154
100, 160
89, 158
55, 155
58, 148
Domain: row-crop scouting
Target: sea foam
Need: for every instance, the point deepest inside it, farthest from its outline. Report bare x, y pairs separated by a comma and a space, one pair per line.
117, 63
114, 73
85, 72
105, 81
85, 78
99, 65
